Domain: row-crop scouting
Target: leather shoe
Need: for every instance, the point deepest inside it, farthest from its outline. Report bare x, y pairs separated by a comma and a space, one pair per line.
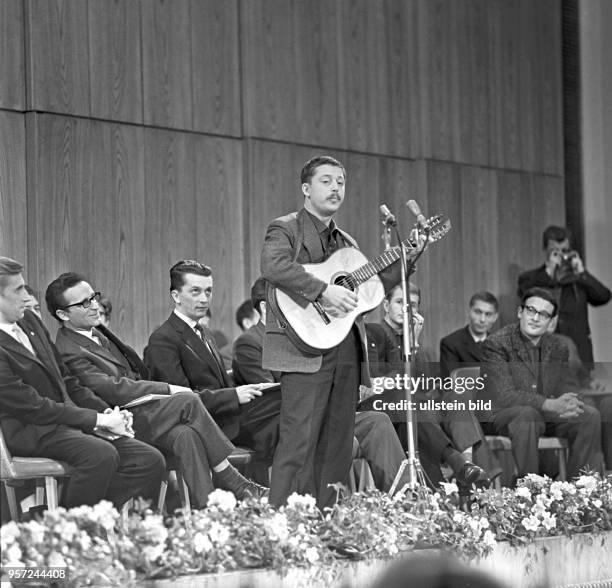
472, 475
253, 490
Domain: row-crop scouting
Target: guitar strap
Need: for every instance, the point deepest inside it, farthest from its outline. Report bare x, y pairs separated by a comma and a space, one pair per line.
283, 323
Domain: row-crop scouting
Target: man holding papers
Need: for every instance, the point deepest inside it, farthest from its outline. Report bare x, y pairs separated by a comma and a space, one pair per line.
173, 419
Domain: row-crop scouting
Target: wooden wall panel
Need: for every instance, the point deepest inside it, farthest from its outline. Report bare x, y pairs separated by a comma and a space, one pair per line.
13, 203
215, 67
57, 56
167, 63
291, 72
12, 71
115, 60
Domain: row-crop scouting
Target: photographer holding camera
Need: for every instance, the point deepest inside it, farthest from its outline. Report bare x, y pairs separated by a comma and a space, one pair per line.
575, 288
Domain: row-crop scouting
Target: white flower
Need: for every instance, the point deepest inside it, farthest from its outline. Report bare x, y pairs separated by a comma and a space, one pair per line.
549, 521
55, 560
201, 543
523, 492
449, 488
531, 523
105, 513
298, 500
8, 534
538, 509
458, 517
218, 533
597, 503
152, 552
222, 499
37, 531
12, 557
312, 555
589, 482
277, 527
489, 538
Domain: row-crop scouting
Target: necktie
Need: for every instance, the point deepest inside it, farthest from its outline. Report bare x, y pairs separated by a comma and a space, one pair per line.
201, 333
102, 340
22, 338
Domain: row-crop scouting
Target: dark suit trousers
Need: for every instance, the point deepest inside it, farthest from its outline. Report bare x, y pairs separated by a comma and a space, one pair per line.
379, 445
259, 424
524, 425
316, 426
182, 428
115, 471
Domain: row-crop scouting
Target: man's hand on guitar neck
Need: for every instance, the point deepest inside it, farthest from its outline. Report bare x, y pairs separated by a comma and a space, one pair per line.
337, 300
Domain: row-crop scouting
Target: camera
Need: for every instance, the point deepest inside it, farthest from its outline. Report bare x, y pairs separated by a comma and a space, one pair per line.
566, 266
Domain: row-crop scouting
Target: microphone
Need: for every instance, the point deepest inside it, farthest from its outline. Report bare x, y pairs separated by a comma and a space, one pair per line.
416, 210
388, 218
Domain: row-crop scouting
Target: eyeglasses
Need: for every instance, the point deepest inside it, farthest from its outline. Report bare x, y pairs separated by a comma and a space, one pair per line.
87, 302
534, 313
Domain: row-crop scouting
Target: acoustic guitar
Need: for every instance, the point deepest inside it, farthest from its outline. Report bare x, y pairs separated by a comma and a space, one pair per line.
309, 327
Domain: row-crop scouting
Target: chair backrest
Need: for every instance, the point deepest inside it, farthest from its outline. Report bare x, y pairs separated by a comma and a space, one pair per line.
465, 372
7, 468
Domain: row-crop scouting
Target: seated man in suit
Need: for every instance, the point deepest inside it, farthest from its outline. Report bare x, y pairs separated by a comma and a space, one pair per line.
182, 352
378, 443
45, 412
441, 437
177, 422
463, 347
533, 392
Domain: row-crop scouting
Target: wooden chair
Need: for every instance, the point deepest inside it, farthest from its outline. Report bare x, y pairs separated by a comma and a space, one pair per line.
14, 470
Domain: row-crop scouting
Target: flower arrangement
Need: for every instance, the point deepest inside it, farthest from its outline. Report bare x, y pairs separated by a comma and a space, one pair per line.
99, 546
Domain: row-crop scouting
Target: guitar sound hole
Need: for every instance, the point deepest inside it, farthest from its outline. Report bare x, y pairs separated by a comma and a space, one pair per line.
345, 282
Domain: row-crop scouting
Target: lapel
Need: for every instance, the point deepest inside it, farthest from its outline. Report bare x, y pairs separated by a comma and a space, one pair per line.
196, 345
309, 235
130, 356
471, 345
89, 345
521, 351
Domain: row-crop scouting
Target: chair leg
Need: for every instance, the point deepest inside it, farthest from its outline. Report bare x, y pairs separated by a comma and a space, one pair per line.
12, 502
351, 481
40, 491
183, 493
51, 489
562, 464
163, 489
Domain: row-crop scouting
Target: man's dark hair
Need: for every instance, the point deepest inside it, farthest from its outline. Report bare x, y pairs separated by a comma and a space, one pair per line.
258, 293
543, 293
244, 311
54, 296
312, 164
186, 266
554, 233
485, 296
412, 289
8, 267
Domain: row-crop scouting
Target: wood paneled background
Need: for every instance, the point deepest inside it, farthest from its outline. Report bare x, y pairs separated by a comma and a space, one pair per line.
135, 133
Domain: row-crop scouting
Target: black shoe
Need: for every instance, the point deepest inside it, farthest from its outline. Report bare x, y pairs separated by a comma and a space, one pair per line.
231, 479
472, 475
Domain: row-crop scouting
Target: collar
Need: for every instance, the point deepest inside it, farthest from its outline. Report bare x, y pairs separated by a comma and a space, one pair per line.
8, 328
190, 322
320, 225
476, 338
89, 334
529, 344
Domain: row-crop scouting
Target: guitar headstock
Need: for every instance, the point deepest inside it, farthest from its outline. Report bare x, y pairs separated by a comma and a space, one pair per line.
436, 227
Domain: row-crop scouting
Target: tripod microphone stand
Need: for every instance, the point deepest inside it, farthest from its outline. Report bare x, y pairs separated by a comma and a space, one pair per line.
415, 474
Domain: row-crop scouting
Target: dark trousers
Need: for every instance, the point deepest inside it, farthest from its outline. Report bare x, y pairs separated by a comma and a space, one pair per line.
379, 445
317, 420
181, 426
112, 470
524, 425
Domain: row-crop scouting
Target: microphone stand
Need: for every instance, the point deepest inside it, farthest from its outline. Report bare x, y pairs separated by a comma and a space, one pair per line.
416, 476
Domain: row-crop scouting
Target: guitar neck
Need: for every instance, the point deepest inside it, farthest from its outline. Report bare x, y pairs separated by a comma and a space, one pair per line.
377, 265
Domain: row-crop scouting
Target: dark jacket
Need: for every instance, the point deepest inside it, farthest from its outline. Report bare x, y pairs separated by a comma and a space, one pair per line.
38, 394
575, 294
246, 362
176, 355
512, 378
459, 350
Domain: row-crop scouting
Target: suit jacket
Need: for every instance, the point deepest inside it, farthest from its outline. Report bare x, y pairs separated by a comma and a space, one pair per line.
117, 382
176, 355
459, 350
511, 377
248, 351
280, 270
575, 295
37, 393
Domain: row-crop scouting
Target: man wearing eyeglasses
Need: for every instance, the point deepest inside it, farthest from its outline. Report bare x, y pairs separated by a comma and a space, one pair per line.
533, 391
176, 421
563, 272
45, 412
